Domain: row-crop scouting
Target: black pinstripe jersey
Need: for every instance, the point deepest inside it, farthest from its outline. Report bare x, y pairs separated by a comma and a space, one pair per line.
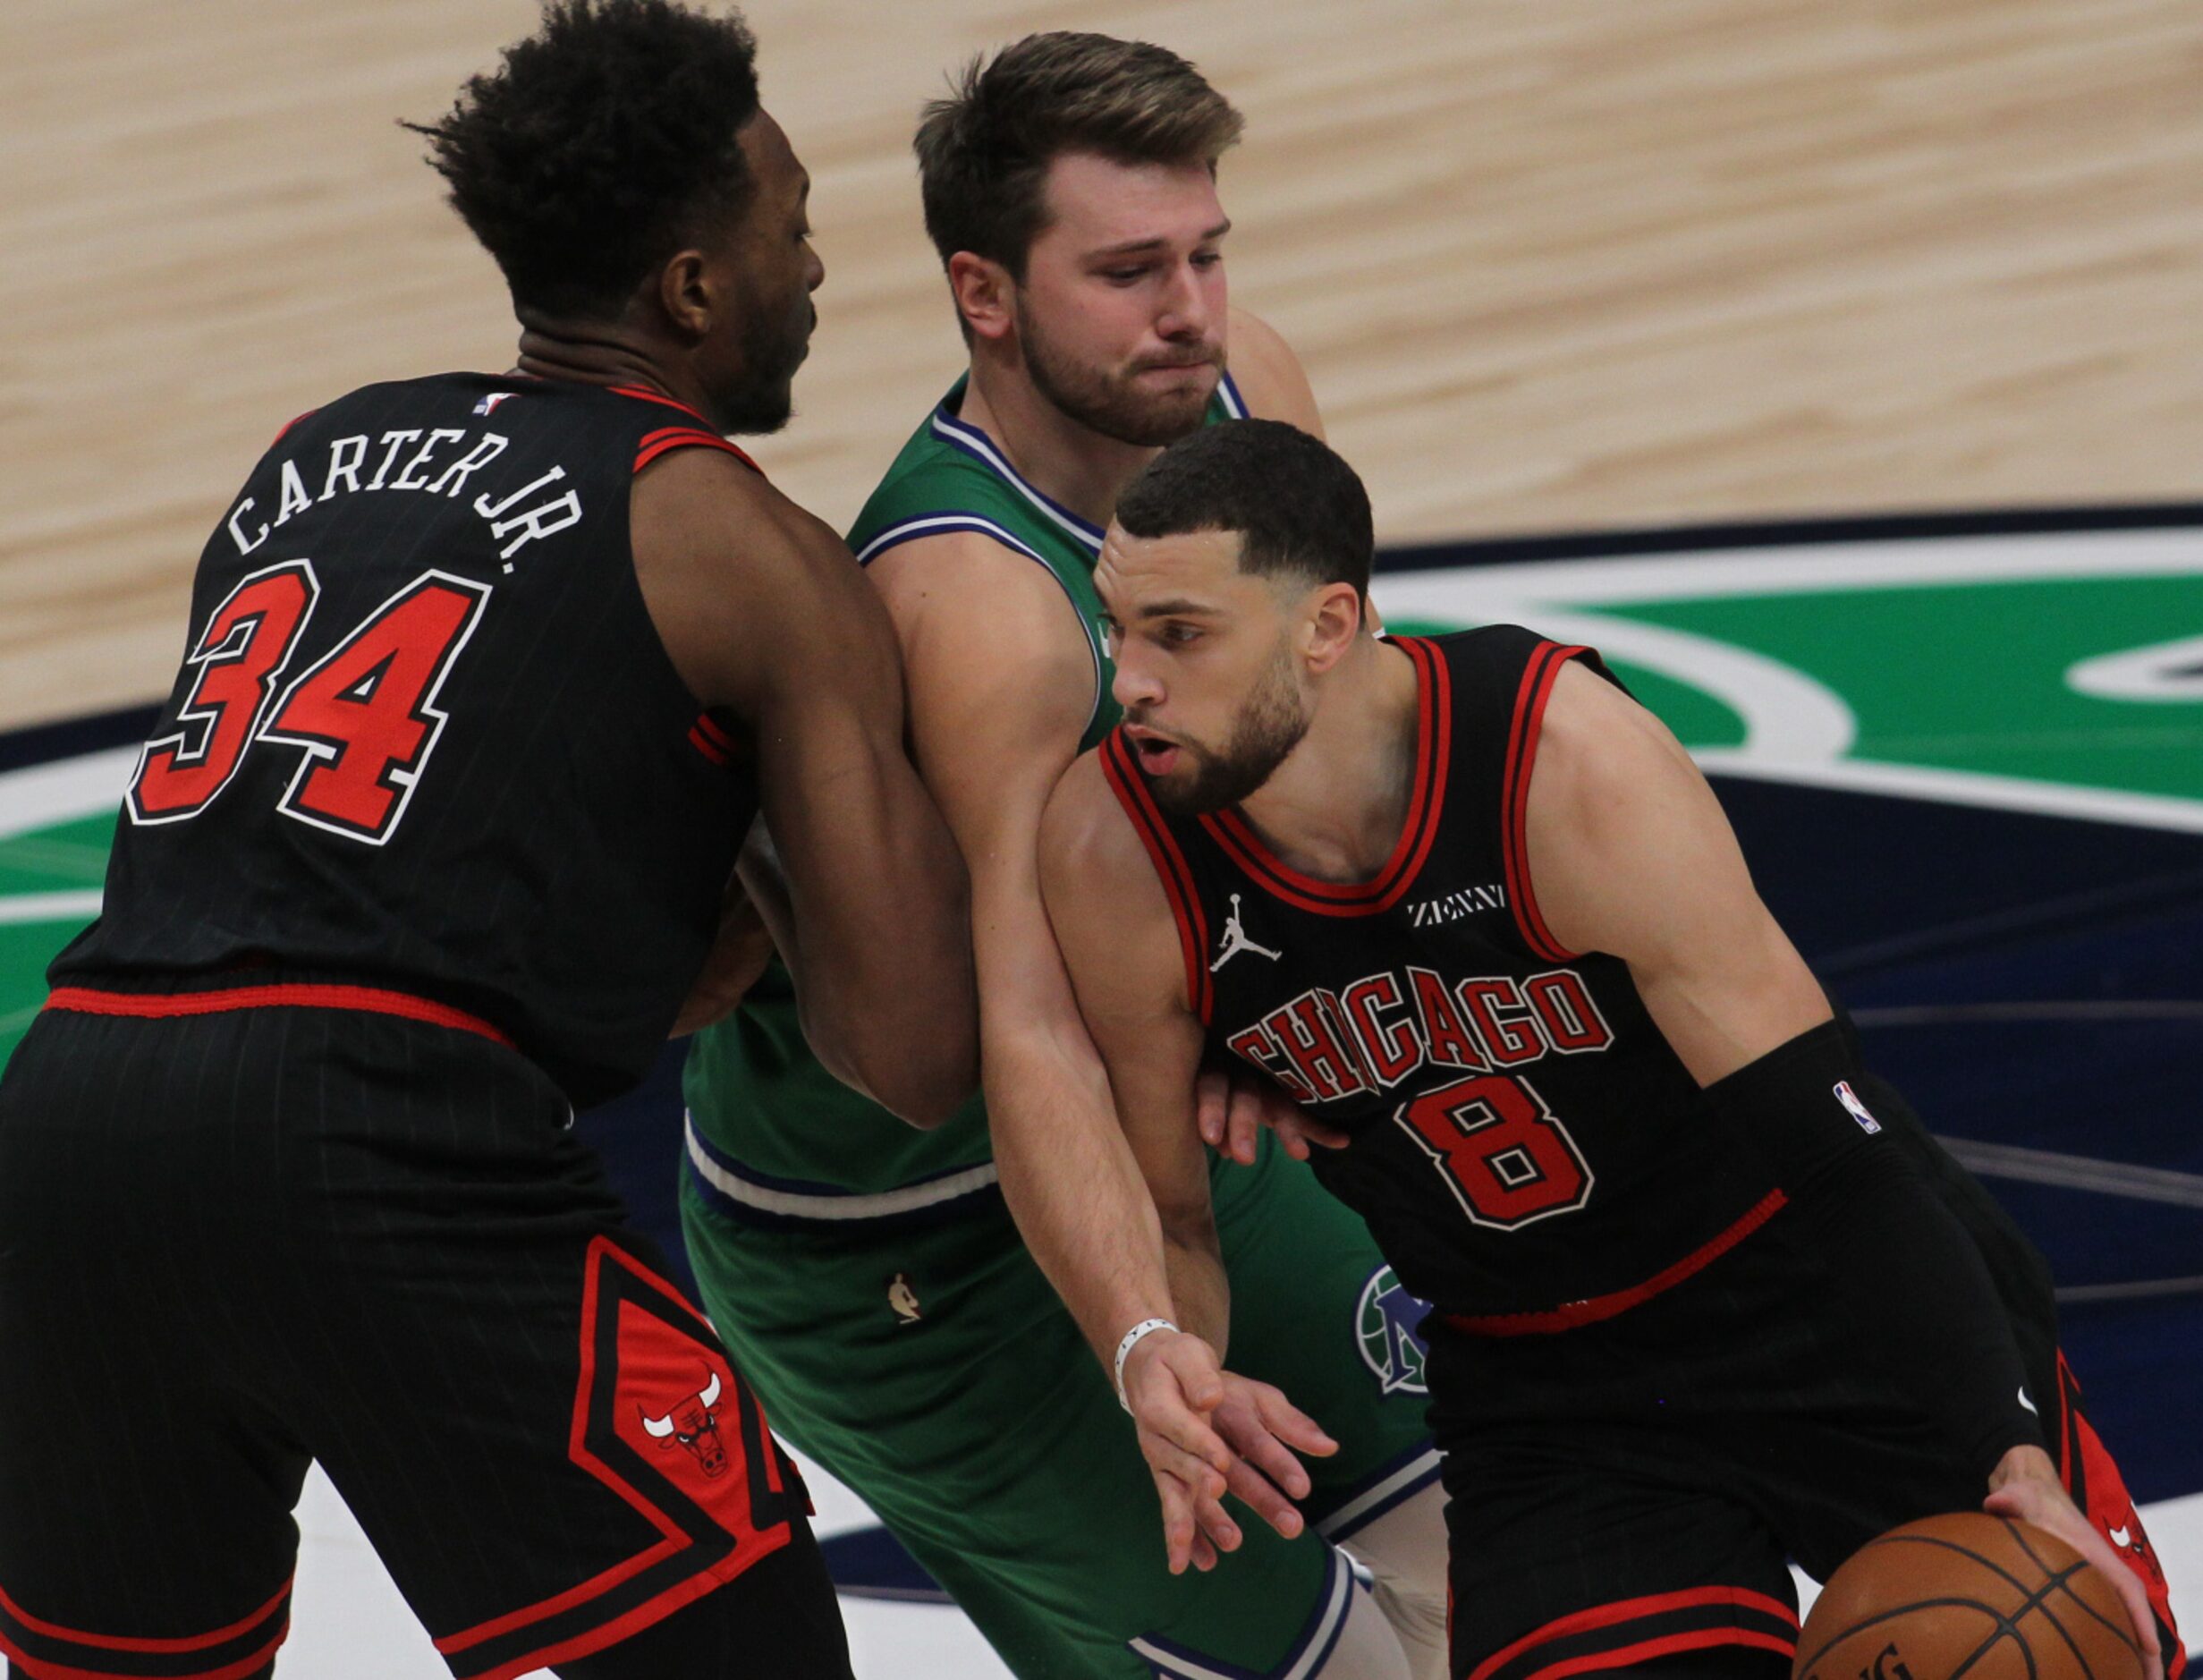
424, 732
1526, 1148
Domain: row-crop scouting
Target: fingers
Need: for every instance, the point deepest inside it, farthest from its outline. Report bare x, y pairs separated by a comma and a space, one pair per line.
1245, 1122
1194, 1363
1290, 1424
1211, 1092
1297, 1130
2048, 1506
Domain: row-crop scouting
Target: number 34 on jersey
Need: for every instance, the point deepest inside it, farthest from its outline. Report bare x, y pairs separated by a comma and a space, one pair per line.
363, 718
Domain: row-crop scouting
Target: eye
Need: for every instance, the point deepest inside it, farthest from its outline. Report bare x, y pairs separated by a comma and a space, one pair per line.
1207, 259
1180, 635
1124, 277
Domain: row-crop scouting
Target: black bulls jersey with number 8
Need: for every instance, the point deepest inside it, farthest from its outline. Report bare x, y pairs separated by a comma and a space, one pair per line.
1527, 1149
426, 735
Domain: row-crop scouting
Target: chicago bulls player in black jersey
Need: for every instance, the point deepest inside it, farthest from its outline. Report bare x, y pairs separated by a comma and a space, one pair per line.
485, 678
1706, 1293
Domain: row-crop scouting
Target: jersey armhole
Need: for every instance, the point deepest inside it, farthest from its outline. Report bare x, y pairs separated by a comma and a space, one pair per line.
1538, 675
941, 524
1170, 866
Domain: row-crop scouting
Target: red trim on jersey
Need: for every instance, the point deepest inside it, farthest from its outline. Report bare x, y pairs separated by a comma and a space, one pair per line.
1170, 863
1434, 744
39, 1668
671, 438
116, 1642
85, 1000
288, 424
1613, 1305
1626, 1656
659, 397
709, 740
1529, 709
1638, 1609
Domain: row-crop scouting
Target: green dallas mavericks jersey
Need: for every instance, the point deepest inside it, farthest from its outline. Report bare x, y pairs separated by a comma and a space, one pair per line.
767, 1125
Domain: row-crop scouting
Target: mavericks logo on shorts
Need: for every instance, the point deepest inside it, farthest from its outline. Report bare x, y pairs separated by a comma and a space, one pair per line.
1388, 1326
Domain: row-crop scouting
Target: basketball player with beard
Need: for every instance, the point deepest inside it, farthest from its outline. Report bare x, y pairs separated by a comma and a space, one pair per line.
1706, 1297
489, 675
876, 1281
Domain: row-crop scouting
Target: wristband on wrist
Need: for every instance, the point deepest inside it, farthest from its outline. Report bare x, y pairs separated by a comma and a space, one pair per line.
1146, 1326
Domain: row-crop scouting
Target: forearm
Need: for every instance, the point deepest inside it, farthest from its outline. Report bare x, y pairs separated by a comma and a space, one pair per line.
882, 959
1198, 1286
1073, 1186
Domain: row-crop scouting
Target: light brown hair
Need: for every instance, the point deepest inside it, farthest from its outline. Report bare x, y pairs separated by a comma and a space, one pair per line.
983, 153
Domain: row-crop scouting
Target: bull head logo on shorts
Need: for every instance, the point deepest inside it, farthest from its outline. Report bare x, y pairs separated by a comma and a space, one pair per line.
693, 1422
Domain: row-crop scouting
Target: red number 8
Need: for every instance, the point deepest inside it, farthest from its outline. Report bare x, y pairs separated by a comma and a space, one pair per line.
1505, 1157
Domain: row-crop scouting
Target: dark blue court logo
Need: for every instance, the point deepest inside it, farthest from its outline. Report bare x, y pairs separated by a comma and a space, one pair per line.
1388, 1329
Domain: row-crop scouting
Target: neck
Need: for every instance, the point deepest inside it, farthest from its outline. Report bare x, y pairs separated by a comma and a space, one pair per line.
1072, 463
605, 352
1333, 809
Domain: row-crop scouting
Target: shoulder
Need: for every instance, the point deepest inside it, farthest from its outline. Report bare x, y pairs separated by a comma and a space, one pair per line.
931, 476
1269, 375
1111, 916
1086, 831
717, 506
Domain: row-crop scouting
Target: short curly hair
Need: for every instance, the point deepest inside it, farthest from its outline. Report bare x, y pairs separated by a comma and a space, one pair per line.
984, 152
604, 139
1300, 511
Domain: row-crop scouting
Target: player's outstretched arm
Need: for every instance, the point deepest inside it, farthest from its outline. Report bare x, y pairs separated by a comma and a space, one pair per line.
763, 611
1002, 686
1628, 854
1201, 1428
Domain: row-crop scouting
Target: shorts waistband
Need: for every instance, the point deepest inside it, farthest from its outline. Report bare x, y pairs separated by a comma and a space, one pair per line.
745, 1195
1570, 1315
90, 1000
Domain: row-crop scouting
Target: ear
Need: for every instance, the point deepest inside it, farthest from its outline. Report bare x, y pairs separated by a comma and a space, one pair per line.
686, 295
985, 294
1332, 625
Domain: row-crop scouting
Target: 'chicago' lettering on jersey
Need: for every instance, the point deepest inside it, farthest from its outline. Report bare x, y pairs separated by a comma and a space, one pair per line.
1325, 1046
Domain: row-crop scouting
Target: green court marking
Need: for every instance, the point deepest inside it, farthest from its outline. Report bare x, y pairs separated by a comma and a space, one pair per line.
67, 855
1972, 676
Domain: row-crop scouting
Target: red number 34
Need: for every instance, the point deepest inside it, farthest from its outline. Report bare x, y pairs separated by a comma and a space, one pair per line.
365, 713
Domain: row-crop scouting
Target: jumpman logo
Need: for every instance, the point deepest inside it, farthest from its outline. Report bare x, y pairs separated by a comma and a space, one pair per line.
1235, 940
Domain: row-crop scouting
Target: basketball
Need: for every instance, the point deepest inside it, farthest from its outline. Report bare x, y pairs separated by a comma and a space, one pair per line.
1967, 1593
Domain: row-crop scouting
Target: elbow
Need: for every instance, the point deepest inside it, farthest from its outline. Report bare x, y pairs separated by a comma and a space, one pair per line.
922, 1077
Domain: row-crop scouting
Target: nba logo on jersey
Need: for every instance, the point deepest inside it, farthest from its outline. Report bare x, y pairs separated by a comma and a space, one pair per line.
1849, 1098
1387, 1324
489, 404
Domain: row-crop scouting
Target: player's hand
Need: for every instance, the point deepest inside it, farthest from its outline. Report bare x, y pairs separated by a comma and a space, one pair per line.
1233, 1108
738, 955
2025, 1486
1204, 1432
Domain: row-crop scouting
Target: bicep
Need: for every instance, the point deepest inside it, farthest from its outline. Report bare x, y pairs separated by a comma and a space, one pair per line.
1000, 682
1632, 855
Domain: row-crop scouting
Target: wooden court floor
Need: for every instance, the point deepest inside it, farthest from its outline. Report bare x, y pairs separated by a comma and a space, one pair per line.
1552, 264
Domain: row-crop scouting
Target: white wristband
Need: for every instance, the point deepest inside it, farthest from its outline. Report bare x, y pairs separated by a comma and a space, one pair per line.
1146, 1326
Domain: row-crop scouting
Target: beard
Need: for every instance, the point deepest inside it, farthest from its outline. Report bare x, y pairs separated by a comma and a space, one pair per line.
1270, 723
773, 349
1110, 402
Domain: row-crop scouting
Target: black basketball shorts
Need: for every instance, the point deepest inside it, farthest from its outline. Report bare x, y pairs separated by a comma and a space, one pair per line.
1631, 1492
278, 1230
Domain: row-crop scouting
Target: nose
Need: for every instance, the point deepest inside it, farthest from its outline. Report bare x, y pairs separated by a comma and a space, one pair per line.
1134, 686
1185, 312
814, 268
